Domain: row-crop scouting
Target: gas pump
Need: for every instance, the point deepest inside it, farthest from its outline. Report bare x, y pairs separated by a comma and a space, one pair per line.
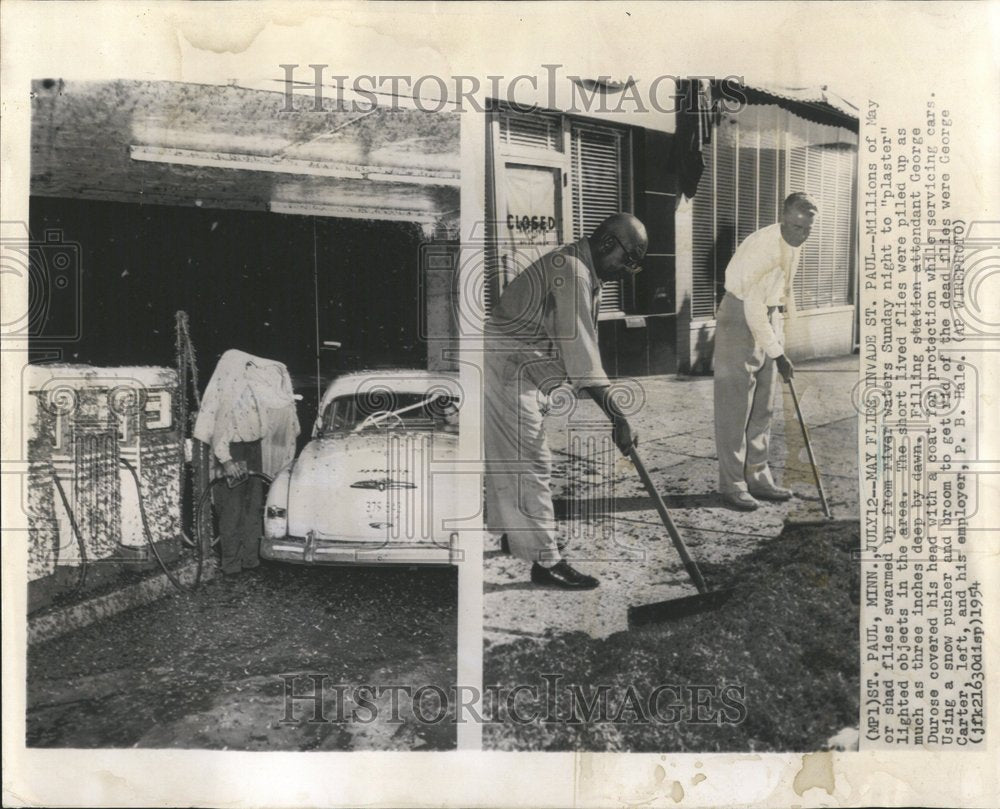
87, 425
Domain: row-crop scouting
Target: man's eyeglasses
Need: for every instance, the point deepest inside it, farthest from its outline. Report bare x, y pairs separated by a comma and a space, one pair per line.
632, 261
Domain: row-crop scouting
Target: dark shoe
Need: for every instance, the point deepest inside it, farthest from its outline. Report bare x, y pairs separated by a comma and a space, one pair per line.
771, 493
741, 501
562, 575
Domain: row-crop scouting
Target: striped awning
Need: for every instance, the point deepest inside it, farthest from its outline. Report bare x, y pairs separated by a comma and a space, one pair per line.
821, 97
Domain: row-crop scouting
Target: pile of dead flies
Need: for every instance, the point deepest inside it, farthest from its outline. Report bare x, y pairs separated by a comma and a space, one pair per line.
773, 669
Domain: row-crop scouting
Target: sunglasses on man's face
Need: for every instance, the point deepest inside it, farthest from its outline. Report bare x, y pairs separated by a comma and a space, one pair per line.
631, 260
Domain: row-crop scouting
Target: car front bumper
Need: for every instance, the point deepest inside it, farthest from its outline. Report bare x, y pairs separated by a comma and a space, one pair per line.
311, 551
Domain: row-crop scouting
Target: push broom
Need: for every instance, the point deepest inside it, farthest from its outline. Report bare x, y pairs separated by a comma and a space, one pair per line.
704, 600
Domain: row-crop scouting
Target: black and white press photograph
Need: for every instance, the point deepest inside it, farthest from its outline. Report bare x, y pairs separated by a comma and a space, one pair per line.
498, 404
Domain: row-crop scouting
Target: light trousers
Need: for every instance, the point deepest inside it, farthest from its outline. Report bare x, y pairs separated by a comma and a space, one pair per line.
745, 382
518, 461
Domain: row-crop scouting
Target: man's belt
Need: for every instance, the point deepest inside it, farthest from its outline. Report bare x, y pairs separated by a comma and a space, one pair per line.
770, 309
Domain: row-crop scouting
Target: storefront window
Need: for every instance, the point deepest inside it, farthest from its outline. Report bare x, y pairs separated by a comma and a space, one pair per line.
756, 158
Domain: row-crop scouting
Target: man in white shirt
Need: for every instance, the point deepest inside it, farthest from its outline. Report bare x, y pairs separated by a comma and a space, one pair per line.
542, 332
749, 353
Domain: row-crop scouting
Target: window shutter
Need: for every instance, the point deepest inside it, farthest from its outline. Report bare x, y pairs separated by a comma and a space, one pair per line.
827, 172
768, 200
531, 132
807, 279
491, 262
725, 205
770, 157
746, 186
715, 216
703, 241
598, 192
827, 236
843, 256
490, 275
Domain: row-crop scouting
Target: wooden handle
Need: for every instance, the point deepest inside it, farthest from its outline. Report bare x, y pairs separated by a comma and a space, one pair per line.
809, 451
689, 563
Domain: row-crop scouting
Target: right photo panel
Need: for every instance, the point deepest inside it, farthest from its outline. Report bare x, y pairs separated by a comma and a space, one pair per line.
669, 418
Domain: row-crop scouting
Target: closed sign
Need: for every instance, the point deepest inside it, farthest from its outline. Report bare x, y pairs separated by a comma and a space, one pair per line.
532, 204
530, 224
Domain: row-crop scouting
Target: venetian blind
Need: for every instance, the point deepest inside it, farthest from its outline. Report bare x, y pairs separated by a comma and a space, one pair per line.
715, 218
826, 263
598, 191
531, 131
756, 158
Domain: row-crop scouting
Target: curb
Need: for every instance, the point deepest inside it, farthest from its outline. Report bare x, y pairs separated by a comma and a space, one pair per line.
67, 619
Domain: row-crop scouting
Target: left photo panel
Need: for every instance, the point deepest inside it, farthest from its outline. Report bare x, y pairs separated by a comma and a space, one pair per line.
241, 415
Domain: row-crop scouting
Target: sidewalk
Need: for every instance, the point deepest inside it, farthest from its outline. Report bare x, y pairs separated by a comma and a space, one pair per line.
611, 525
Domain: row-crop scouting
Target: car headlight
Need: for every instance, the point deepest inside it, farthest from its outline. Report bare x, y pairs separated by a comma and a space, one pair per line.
275, 522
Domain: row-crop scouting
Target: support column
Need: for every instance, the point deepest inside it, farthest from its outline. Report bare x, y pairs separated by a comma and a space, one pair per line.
468, 480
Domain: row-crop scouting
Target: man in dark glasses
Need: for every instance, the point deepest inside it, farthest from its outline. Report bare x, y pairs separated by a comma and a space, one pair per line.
541, 333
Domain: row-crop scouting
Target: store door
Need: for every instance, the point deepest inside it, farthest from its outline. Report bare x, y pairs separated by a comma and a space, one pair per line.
531, 197
531, 221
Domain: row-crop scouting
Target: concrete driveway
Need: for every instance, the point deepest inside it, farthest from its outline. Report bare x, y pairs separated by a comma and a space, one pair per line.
612, 529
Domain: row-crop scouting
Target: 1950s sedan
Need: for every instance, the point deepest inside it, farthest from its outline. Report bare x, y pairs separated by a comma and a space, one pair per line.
374, 485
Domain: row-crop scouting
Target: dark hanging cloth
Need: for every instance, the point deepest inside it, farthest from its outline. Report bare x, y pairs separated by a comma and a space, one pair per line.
695, 119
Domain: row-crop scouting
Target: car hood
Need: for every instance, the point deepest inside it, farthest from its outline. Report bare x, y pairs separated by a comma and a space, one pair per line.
373, 487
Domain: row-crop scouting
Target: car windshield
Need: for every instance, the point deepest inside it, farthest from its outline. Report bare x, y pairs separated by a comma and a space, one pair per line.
407, 411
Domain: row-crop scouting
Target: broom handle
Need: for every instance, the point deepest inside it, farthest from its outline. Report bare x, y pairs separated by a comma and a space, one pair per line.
809, 450
689, 563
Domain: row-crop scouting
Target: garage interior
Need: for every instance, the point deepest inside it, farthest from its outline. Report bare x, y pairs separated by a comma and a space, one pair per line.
249, 279
298, 235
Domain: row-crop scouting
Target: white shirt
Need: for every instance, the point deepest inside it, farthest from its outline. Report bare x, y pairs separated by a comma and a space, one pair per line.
244, 424
760, 274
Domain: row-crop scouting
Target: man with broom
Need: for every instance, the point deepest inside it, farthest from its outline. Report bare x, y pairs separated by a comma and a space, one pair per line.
749, 353
542, 332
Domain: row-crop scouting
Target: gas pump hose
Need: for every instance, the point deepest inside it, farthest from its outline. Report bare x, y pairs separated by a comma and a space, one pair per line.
76, 533
199, 540
200, 544
176, 582
203, 501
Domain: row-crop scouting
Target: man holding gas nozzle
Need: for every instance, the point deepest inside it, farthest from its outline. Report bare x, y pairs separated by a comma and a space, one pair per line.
543, 332
248, 419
